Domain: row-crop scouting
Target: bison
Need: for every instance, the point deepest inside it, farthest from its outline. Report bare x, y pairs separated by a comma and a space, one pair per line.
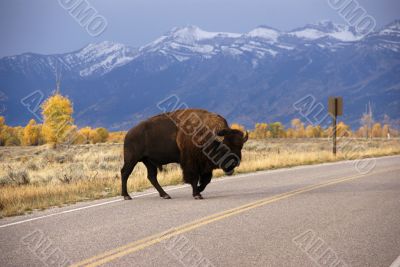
200, 141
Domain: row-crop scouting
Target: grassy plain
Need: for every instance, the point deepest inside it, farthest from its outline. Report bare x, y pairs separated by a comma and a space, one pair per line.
35, 178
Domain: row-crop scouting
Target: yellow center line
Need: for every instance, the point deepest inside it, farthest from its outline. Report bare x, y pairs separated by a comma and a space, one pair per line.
153, 239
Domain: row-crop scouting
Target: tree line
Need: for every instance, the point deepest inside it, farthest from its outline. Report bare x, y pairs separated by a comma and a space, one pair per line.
299, 130
58, 127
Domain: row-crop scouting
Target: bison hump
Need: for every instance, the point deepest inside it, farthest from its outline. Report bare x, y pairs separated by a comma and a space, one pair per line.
197, 126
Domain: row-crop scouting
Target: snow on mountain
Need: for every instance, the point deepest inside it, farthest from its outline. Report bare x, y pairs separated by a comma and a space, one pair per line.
264, 33
184, 43
193, 34
393, 29
323, 29
387, 38
100, 58
187, 42
311, 34
93, 59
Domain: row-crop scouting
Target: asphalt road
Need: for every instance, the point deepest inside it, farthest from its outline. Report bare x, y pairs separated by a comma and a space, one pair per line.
321, 215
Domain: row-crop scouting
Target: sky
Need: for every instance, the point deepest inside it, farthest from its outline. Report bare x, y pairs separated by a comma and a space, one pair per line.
47, 27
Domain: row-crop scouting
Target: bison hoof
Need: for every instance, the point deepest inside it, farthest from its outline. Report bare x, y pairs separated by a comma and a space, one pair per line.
166, 196
128, 197
198, 196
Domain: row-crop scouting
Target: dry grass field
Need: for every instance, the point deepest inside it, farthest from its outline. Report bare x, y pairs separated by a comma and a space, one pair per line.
35, 178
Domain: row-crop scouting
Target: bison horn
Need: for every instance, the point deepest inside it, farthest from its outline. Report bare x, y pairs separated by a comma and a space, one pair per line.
220, 135
219, 138
246, 137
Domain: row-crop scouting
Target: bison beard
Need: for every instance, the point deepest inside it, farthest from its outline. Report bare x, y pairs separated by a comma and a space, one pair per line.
199, 140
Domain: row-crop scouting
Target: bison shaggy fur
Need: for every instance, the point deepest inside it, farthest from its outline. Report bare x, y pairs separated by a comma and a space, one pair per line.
200, 141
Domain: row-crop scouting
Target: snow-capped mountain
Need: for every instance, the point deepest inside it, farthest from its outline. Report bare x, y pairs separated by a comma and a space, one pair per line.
94, 59
387, 38
186, 42
247, 77
392, 29
191, 41
326, 29
99, 58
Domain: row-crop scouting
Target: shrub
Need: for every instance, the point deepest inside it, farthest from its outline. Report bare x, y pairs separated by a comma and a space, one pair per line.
12, 141
102, 134
73, 172
19, 177
32, 166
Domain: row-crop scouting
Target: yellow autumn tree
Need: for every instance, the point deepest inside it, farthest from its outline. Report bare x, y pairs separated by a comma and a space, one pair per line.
94, 137
343, 130
87, 135
31, 135
117, 137
11, 136
361, 132
237, 126
386, 131
19, 133
57, 118
2, 126
290, 133
102, 134
377, 130
313, 132
260, 131
84, 135
276, 130
298, 128
2, 122
318, 131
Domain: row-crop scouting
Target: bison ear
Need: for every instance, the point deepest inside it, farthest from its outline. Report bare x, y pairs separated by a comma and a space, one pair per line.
223, 132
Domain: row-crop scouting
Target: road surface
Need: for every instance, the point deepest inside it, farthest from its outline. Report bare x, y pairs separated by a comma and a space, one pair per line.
321, 215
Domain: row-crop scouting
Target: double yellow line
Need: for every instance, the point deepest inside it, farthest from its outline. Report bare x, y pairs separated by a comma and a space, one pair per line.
154, 239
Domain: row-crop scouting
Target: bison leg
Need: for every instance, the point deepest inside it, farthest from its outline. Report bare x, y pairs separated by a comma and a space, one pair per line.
196, 192
152, 176
205, 179
194, 180
125, 172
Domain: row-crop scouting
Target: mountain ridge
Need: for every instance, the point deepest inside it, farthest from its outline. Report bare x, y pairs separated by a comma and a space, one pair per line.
203, 67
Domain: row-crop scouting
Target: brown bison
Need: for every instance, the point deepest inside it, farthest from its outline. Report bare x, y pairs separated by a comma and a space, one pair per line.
199, 140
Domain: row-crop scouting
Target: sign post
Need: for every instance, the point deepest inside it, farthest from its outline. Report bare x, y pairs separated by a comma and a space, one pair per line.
335, 105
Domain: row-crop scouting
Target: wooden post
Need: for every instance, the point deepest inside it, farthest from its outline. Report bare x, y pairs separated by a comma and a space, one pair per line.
334, 127
335, 109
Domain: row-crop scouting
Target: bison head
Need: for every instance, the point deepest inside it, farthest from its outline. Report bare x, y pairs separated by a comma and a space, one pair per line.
234, 140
